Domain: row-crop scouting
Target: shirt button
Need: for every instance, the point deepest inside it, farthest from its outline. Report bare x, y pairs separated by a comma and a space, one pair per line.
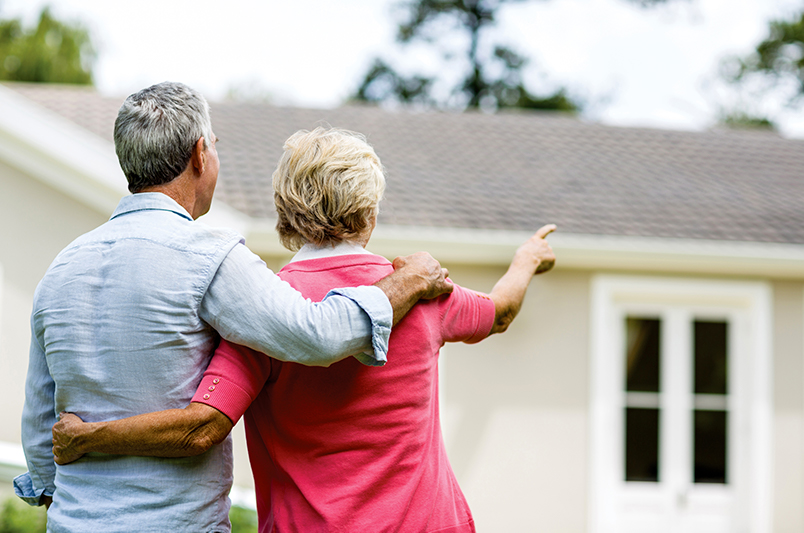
212, 388
216, 381
206, 396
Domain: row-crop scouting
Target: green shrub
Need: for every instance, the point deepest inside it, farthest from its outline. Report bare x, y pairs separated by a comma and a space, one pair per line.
19, 517
243, 520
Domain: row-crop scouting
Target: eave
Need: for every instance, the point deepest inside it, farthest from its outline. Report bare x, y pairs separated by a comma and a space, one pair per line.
573, 251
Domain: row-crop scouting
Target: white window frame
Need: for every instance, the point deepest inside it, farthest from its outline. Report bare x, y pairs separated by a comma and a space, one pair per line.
751, 298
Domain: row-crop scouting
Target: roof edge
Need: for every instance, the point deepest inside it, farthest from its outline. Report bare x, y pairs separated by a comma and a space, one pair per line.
59, 153
574, 251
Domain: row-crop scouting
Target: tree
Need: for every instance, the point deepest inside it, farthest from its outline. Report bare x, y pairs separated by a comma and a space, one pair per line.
52, 52
493, 72
773, 71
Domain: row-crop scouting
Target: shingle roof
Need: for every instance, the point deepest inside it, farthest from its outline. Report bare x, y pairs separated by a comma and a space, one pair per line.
516, 171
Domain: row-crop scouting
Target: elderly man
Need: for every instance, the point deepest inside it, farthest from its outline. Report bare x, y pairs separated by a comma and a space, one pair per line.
126, 317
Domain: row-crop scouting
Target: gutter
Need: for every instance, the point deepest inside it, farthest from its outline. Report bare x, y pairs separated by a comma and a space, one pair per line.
573, 251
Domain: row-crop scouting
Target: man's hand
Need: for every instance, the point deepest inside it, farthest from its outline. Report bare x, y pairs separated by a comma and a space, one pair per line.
415, 276
66, 437
432, 277
537, 252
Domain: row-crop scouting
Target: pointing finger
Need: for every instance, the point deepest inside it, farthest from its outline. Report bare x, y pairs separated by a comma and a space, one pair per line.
544, 231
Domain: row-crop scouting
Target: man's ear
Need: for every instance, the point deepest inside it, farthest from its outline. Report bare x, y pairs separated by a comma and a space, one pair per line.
199, 157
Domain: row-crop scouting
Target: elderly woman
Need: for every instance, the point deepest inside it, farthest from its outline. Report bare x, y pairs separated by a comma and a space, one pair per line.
351, 447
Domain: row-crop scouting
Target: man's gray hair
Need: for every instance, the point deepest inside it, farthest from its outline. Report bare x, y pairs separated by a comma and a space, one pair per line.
156, 130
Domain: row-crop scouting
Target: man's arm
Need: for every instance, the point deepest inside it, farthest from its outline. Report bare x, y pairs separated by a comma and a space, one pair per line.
37, 486
170, 433
534, 257
249, 305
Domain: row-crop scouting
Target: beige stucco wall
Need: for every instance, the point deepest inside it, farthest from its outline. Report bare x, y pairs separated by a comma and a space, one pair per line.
37, 223
788, 399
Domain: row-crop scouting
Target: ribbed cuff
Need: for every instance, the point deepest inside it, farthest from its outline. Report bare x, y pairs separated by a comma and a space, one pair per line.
224, 395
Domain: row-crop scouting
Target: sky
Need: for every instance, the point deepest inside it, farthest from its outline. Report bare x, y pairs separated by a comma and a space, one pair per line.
632, 66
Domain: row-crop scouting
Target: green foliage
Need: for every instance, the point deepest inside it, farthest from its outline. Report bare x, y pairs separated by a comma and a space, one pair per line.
18, 517
493, 75
747, 121
780, 55
52, 52
773, 72
243, 520
383, 83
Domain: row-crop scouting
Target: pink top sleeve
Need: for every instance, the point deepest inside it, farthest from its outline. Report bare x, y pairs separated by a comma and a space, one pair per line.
234, 378
466, 315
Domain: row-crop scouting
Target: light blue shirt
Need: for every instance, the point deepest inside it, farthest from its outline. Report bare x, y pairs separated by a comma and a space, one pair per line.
124, 322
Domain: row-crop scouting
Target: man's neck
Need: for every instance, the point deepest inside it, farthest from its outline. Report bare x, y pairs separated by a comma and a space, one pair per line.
180, 191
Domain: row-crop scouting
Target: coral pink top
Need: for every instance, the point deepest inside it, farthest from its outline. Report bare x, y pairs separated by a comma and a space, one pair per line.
351, 448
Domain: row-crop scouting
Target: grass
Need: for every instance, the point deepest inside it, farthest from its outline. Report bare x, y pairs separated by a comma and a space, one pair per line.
18, 517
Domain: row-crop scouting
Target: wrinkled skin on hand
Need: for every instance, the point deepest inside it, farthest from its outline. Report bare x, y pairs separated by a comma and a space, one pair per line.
428, 270
65, 438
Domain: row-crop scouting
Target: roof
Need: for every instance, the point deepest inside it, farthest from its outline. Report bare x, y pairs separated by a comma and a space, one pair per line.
515, 171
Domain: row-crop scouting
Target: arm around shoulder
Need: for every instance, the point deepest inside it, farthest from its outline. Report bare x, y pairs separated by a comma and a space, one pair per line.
250, 305
417, 276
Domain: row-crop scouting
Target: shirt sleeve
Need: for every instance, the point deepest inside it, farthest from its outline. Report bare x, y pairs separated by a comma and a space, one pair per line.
234, 378
249, 305
466, 316
38, 417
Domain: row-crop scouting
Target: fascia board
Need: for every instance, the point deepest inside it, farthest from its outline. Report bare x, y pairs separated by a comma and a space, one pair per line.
222, 216
573, 251
60, 153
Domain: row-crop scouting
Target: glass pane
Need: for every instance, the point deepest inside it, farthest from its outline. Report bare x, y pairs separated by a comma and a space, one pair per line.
641, 444
710, 446
711, 359
642, 355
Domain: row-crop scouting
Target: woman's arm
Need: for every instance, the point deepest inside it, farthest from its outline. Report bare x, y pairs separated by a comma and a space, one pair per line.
170, 433
534, 257
235, 376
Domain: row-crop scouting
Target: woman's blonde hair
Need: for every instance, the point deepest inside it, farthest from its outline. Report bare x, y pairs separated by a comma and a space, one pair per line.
327, 187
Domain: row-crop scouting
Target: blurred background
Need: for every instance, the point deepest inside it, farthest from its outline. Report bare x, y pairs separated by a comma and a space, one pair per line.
658, 63
653, 382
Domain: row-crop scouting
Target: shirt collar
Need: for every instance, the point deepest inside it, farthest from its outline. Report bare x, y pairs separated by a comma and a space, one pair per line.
311, 251
143, 201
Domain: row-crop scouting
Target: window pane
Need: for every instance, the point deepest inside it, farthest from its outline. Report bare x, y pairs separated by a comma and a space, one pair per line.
711, 359
710, 447
641, 444
642, 357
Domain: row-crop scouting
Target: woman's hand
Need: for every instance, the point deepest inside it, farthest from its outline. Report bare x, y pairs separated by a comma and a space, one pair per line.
66, 438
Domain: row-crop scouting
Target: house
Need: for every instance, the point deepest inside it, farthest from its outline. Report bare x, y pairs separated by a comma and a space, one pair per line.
652, 382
